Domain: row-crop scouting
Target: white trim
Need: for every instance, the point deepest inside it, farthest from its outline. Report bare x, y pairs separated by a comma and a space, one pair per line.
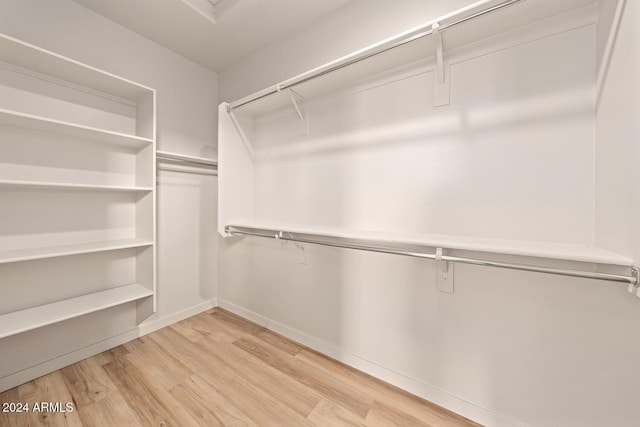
147, 327
60, 362
429, 392
607, 55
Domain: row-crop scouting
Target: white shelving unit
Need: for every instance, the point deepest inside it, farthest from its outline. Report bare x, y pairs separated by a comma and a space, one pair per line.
29, 254
579, 253
77, 179
370, 146
69, 186
47, 314
49, 126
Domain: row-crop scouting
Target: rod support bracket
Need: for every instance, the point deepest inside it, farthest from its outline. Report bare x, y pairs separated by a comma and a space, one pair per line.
444, 265
444, 273
442, 92
634, 285
435, 29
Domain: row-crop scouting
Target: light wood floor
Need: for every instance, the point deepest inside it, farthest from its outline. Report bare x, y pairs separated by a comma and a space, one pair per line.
217, 369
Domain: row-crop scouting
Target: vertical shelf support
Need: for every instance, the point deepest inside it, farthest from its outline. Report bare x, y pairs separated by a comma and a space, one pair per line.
442, 86
238, 127
444, 273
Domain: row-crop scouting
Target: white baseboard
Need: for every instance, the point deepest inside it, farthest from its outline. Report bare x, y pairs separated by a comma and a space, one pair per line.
60, 362
147, 327
433, 394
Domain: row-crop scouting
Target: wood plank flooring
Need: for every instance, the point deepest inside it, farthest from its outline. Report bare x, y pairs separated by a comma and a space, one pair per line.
217, 369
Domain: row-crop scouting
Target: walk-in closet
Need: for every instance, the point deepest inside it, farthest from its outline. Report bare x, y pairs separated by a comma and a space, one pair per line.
319, 213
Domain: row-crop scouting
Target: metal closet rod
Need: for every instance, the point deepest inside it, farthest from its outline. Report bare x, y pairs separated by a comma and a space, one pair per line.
282, 235
421, 33
191, 160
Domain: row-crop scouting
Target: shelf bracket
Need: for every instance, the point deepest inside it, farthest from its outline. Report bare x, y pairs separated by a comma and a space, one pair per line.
442, 86
240, 131
303, 255
291, 93
444, 273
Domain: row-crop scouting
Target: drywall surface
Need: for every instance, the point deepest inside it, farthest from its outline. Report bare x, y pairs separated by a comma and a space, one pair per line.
186, 111
506, 348
515, 142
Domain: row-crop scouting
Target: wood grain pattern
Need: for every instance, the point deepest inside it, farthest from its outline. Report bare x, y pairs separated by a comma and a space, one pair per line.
351, 398
50, 388
207, 406
327, 413
7, 418
385, 415
383, 392
218, 369
166, 370
111, 411
298, 397
88, 382
152, 404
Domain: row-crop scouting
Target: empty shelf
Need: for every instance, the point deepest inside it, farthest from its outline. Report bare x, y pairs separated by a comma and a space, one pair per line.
68, 186
29, 254
549, 250
42, 124
477, 21
33, 58
47, 314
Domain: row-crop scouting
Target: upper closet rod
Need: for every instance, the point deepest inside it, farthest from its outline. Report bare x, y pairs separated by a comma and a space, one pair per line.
422, 32
191, 160
633, 279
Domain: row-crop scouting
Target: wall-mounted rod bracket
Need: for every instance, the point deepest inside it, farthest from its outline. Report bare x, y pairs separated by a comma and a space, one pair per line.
435, 28
444, 273
441, 87
634, 284
444, 265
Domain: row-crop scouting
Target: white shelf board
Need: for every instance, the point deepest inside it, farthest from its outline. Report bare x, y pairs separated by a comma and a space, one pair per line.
41, 124
559, 251
167, 155
47, 314
69, 186
380, 58
29, 254
25, 55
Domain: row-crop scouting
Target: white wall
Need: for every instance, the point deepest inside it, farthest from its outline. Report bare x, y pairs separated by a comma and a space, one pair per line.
187, 101
507, 348
617, 153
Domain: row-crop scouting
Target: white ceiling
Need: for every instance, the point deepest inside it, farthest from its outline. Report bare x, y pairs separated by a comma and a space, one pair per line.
243, 26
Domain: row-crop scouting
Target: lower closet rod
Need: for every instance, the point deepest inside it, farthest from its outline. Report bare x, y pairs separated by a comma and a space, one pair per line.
632, 279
